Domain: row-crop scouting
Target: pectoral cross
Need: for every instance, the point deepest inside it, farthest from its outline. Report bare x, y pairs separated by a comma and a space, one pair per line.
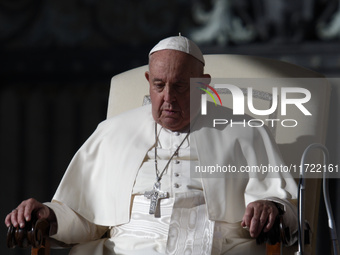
154, 195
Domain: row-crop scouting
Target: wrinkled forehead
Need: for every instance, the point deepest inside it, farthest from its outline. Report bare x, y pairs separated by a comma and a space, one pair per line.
171, 54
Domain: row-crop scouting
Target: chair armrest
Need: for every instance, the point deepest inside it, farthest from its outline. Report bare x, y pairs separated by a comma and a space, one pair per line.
33, 234
279, 233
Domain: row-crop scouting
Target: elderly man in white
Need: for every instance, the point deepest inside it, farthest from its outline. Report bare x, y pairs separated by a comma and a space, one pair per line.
131, 179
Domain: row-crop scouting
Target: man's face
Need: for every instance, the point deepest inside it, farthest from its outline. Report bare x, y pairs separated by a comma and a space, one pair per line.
169, 78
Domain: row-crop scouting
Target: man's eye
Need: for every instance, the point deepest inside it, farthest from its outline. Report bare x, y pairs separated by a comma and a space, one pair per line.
159, 86
181, 87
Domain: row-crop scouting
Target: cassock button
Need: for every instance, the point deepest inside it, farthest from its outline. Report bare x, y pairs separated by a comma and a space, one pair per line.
177, 161
176, 174
176, 185
176, 133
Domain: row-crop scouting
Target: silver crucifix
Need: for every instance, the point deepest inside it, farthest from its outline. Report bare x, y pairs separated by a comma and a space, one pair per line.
154, 195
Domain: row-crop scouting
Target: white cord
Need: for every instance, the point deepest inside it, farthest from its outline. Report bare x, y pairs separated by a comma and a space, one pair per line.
331, 221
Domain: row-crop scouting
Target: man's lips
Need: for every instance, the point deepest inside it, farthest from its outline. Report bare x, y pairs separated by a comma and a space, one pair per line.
170, 111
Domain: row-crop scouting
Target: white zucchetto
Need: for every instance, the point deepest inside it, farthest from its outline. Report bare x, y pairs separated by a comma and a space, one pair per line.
179, 43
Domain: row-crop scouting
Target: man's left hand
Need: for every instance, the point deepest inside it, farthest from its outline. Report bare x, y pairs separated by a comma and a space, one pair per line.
259, 215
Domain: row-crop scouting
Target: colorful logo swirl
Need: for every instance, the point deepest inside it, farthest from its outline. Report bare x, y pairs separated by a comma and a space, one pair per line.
209, 93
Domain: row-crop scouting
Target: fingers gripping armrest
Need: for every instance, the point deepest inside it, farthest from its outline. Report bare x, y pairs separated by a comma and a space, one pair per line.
288, 219
33, 234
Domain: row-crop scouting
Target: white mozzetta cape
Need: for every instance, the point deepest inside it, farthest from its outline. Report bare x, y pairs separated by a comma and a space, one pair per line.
99, 180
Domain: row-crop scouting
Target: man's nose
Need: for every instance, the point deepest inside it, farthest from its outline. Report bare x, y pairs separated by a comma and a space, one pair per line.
169, 94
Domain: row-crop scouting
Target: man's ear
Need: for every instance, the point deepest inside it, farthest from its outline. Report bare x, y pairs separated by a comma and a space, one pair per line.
208, 77
147, 75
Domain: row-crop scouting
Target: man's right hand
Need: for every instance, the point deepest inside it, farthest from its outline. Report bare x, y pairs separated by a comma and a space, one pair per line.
23, 213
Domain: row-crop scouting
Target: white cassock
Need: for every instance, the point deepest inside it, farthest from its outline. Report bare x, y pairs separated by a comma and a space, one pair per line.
105, 182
